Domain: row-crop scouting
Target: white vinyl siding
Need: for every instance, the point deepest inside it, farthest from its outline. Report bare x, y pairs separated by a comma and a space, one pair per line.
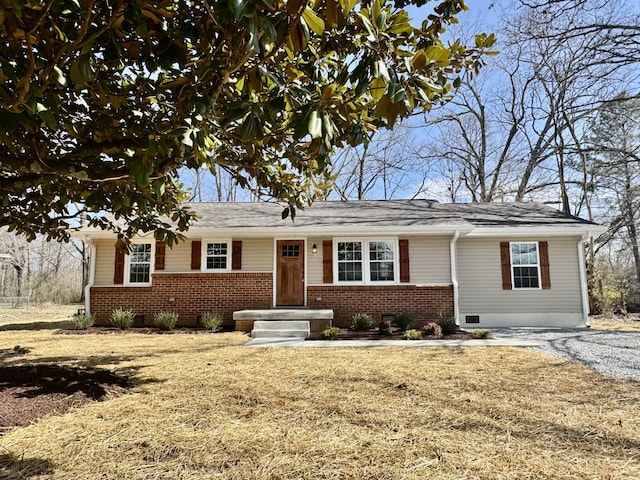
105, 261
480, 280
178, 258
429, 260
257, 254
314, 261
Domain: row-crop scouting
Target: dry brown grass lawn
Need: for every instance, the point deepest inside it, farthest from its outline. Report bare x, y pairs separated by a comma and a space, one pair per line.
207, 407
629, 322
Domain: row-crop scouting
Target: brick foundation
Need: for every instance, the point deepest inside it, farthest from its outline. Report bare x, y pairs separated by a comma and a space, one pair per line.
193, 294
196, 293
424, 302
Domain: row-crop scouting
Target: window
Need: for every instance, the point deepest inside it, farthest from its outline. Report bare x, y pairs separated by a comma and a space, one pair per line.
381, 261
525, 265
366, 261
140, 263
290, 251
349, 261
216, 255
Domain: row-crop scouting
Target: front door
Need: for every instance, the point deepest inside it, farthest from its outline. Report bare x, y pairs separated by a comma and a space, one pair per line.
290, 272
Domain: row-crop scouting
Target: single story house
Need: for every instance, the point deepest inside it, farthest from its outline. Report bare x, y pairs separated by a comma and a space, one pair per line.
489, 265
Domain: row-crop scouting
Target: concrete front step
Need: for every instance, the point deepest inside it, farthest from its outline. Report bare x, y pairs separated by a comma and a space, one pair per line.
318, 320
281, 329
283, 314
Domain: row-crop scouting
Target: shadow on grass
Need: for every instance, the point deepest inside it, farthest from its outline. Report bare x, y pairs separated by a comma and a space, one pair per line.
35, 380
18, 467
63, 324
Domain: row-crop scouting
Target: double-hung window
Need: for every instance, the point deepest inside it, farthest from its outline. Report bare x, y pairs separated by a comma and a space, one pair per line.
216, 255
525, 265
140, 263
368, 261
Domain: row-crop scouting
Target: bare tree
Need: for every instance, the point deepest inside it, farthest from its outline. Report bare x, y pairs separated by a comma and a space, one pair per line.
44, 271
384, 167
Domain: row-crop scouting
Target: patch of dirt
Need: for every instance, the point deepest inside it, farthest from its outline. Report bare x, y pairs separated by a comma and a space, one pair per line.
30, 392
396, 334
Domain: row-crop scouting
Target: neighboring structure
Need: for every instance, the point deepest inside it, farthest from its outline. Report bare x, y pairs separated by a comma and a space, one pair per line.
487, 264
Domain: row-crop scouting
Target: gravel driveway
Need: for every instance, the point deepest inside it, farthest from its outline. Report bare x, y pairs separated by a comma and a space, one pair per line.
613, 353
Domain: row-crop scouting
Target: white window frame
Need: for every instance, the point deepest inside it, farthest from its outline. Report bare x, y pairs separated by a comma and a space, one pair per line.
366, 262
203, 261
529, 265
152, 264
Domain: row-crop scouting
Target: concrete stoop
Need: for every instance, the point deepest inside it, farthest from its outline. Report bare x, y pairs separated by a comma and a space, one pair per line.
281, 329
287, 322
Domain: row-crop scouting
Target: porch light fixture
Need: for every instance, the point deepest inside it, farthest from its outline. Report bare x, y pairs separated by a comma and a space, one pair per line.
314, 248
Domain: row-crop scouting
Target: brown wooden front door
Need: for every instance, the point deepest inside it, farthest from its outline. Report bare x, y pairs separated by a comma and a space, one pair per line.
290, 272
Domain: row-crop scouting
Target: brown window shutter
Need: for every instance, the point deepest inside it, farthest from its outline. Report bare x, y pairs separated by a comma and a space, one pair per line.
505, 260
404, 260
236, 255
160, 252
118, 271
545, 274
327, 261
196, 254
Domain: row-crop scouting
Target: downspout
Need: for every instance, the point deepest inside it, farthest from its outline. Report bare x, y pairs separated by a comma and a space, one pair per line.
583, 281
454, 275
92, 276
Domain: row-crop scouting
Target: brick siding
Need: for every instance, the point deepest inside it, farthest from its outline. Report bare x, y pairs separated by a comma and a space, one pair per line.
425, 302
193, 294
196, 293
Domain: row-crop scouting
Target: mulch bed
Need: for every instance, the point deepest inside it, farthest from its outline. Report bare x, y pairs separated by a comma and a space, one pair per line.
30, 392
396, 334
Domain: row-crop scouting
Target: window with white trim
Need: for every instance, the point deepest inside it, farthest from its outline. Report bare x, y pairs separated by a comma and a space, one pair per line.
140, 263
216, 255
366, 260
525, 265
349, 261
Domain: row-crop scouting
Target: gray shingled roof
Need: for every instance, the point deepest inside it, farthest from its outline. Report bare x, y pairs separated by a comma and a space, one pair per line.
381, 216
382, 213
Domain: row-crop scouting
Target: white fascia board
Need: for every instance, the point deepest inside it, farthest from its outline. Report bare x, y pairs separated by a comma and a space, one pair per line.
283, 232
541, 231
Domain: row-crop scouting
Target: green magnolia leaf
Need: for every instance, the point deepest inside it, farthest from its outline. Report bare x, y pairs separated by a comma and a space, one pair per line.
140, 173
315, 23
58, 76
378, 88
46, 115
315, 125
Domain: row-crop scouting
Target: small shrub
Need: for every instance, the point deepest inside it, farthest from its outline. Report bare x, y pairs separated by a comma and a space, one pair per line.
211, 320
18, 350
122, 319
329, 333
413, 335
82, 321
165, 320
480, 333
432, 329
384, 328
361, 321
447, 324
403, 320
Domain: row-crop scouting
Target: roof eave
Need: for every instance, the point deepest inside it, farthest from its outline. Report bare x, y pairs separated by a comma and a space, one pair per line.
590, 230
